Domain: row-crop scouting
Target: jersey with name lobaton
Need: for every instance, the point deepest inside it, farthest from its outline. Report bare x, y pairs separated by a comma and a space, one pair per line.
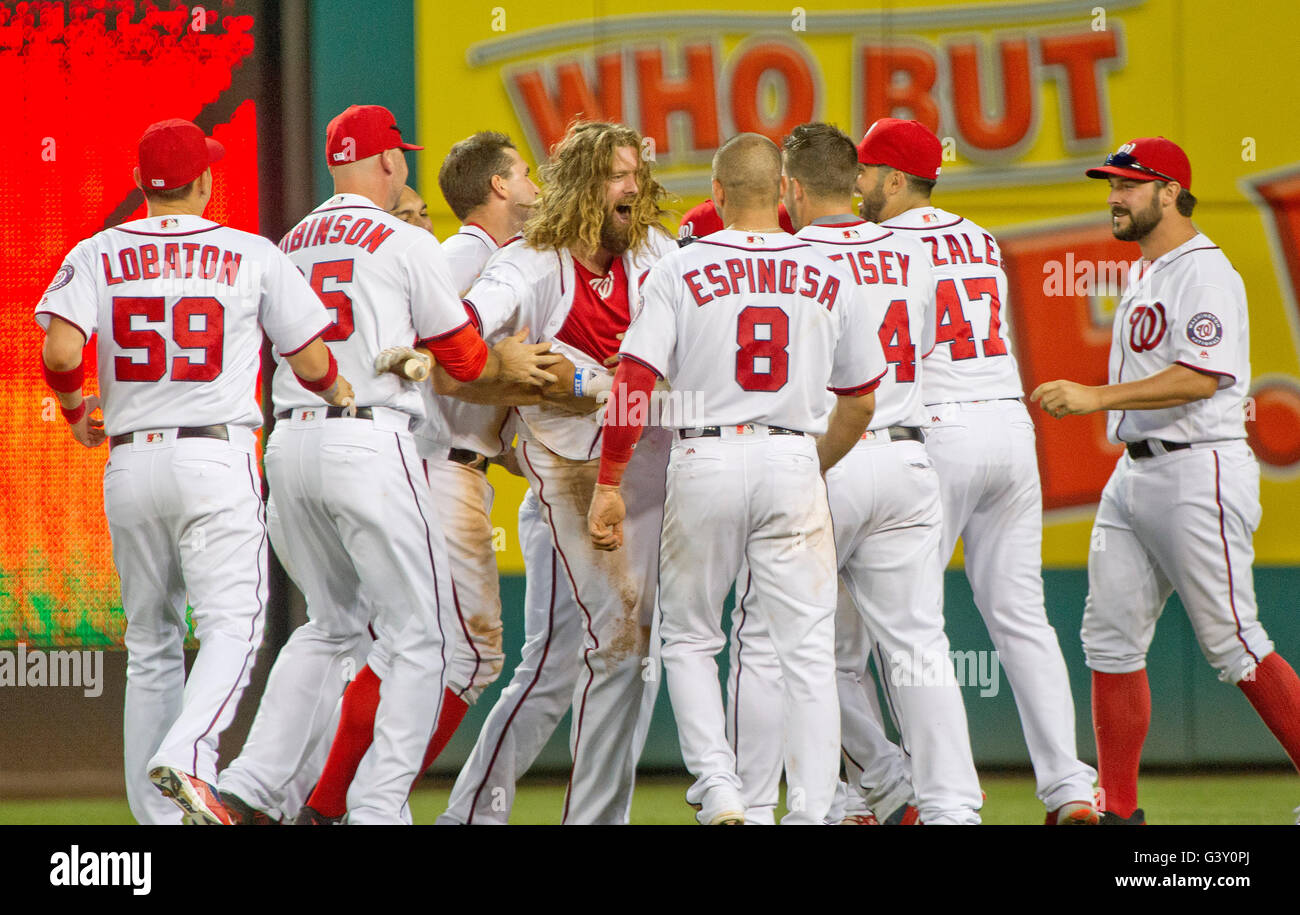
896, 291
1187, 307
972, 358
387, 284
179, 304
453, 423
757, 325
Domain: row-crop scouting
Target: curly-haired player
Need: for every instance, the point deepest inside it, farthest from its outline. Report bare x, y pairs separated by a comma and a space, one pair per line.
594, 235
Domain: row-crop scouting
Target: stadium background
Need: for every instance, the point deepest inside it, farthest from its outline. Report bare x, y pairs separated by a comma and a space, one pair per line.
1024, 94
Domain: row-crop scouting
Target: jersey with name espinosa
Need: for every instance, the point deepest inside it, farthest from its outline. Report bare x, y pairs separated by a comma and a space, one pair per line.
387, 284
451, 422
179, 304
534, 288
972, 358
759, 325
1187, 307
896, 291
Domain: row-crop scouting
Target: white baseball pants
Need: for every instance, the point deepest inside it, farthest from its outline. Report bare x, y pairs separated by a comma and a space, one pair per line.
615, 594
988, 473
1181, 521
888, 523
351, 514
186, 521
463, 496
878, 773
760, 498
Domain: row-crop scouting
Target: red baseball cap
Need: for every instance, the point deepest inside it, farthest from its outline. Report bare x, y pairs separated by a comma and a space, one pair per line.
703, 219
908, 146
360, 132
173, 153
1147, 159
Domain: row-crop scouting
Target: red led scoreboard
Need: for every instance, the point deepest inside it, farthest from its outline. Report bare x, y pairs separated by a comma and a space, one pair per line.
81, 81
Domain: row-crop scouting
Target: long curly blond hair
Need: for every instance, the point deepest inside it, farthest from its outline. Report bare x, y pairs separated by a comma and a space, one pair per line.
573, 204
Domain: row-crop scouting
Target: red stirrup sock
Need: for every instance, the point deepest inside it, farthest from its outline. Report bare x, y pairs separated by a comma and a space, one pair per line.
453, 713
1274, 690
1121, 716
353, 738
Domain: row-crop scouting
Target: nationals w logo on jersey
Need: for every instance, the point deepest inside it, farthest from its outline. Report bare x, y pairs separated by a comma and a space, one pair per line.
1205, 329
603, 286
1146, 327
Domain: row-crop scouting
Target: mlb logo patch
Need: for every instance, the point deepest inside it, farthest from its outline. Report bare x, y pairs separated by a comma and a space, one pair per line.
929, 217
170, 223
850, 233
755, 240
308, 415
157, 182
153, 438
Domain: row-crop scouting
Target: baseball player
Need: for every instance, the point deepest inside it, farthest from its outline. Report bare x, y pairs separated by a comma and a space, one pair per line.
1180, 509
487, 185
744, 476
179, 304
572, 278
369, 553
981, 440
884, 501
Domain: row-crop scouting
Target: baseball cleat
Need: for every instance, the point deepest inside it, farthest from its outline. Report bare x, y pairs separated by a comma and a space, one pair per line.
309, 817
242, 813
860, 819
722, 806
907, 815
1073, 813
1110, 818
194, 796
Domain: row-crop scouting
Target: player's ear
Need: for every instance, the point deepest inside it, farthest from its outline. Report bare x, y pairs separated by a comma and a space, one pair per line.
788, 184
135, 176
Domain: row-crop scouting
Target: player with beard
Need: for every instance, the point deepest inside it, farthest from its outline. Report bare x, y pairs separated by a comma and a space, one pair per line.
981, 440
571, 279
1181, 507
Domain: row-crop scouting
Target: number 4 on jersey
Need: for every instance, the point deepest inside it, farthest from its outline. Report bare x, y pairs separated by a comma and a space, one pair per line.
896, 341
954, 328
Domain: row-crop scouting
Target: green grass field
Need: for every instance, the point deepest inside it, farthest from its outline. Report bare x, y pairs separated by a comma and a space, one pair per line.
1251, 799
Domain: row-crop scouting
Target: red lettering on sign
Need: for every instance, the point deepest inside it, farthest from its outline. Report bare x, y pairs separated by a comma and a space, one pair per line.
1079, 55
550, 115
1017, 103
692, 95
800, 89
1274, 430
882, 92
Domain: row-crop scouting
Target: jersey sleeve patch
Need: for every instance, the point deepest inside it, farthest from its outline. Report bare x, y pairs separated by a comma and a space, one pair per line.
62, 278
1205, 329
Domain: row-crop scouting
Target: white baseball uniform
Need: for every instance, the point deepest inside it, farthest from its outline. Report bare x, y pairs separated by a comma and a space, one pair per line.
559, 454
884, 498
177, 302
352, 518
981, 440
454, 441
744, 482
1181, 519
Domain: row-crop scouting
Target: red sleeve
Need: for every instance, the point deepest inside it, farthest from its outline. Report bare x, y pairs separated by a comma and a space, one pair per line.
632, 380
462, 354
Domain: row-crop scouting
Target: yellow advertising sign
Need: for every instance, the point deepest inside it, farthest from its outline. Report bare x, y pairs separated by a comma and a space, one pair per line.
1025, 96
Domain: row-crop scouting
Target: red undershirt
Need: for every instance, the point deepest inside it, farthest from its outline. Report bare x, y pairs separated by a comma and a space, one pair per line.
599, 313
